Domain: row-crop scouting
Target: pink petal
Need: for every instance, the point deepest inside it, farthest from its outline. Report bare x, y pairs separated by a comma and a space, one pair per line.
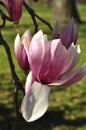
35, 102
6, 3
75, 58
58, 55
72, 58
72, 77
17, 9
46, 63
36, 53
14, 8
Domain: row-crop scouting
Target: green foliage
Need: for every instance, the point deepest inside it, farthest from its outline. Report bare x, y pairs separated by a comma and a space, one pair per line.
67, 106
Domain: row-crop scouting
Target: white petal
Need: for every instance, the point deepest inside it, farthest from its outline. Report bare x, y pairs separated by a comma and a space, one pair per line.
17, 45
29, 81
69, 58
17, 39
35, 102
72, 59
76, 57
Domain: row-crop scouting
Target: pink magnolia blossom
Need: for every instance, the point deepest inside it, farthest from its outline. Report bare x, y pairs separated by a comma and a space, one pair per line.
20, 50
14, 8
68, 34
51, 64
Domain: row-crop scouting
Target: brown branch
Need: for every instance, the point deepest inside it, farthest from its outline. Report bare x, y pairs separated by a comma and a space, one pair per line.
33, 15
31, 12
4, 20
17, 84
74, 12
4, 17
1, 3
15, 78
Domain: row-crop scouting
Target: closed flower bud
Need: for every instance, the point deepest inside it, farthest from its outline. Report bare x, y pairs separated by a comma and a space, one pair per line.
14, 8
69, 34
20, 50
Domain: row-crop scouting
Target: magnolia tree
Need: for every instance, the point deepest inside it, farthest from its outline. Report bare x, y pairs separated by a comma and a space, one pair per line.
48, 62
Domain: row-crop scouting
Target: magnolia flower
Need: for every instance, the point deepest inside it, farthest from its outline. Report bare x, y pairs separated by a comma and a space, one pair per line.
20, 50
51, 64
14, 8
68, 34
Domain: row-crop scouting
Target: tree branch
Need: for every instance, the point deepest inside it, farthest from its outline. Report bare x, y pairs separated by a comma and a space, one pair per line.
15, 78
4, 18
17, 84
33, 15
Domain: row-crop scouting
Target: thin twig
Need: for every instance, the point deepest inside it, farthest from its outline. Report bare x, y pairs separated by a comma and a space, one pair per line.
31, 12
4, 17
41, 19
33, 15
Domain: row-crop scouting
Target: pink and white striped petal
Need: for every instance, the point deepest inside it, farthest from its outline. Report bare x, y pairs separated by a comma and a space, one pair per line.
75, 58
36, 52
58, 54
71, 77
72, 58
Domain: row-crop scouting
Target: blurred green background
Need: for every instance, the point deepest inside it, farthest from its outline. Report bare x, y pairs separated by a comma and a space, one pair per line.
67, 107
